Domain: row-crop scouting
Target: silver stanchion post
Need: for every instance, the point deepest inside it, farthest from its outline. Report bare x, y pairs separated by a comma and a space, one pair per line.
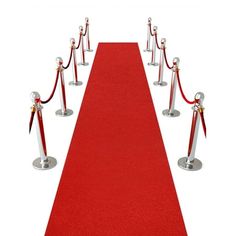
88, 49
64, 111
148, 35
75, 81
82, 51
190, 162
171, 112
160, 81
44, 162
154, 46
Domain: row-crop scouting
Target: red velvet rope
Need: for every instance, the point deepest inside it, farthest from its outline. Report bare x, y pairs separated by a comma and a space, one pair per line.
192, 132
68, 64
86, 28
31, 118
203, 123
165, 57
181, 90
156, 41
37, 100
80, 37
150, 27
194, 119
41, 128
53, 91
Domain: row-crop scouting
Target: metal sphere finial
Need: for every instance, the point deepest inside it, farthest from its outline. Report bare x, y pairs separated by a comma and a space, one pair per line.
163, 40
176, 61
72, 41
59, 61
199, 96
34, 96
155, 28
81, 28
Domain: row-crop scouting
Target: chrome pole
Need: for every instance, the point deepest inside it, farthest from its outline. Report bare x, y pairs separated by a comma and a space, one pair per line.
171, 112
160, 81
82, 51
43, 162
154, 46
190, 162
63, 111
75, 81
88, 49
148, 35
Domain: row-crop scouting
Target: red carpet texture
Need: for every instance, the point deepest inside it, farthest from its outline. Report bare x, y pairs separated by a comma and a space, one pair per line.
116, 179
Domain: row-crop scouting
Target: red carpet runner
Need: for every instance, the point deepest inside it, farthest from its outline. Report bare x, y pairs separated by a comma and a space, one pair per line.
116, 179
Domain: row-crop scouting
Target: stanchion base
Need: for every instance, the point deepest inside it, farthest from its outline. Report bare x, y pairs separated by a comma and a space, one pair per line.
73, 83
175, 113
191, 166
83, 64
162, 83
89, 50
68, 112
44, 165
147, 50
152, 64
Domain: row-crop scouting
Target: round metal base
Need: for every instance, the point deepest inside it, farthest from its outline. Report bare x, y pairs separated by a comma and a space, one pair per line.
175, 113
44, 165
73, 83
191, 166
89, 50
162, 83
147, 50
83, 64
68, 112
152, 64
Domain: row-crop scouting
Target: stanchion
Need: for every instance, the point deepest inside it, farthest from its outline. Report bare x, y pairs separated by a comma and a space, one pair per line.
75, 82
149, 34
160, 81
44, 162
82, 51
63, 111
171, 112
154, 46
88, 49
190, 162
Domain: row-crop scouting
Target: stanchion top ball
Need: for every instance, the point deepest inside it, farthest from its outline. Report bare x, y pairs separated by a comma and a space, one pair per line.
163, 40
81, 28
199, 96
86, 19
176, 61
72, 41
35, 96
59, 61
155, 28
149, 19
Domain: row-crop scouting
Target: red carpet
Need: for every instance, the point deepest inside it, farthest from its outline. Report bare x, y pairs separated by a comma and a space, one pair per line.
116, 179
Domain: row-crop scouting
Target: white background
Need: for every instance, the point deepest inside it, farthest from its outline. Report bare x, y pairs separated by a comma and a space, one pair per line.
34, 33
